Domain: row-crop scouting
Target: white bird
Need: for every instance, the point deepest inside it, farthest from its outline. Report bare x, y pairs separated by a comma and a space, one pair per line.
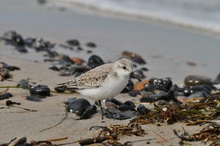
104, 81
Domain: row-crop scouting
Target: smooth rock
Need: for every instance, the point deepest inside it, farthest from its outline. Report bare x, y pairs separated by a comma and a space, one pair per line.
193, 80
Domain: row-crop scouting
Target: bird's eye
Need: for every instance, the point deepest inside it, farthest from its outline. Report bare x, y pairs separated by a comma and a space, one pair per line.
124, 67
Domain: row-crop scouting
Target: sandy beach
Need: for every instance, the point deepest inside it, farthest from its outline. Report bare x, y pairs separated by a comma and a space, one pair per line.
166, 49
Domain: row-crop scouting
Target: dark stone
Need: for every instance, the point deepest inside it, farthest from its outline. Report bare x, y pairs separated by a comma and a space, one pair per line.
60, 88
149, 88
91, 45
5, 95
67, 59
89, 111
155, 97
130, 103
89, 51
54, 68
73, 42
147, 100
144, 69
94, 61
30, 42
129, 87
21, 49
13, 38
9, 67
42, 90
206, 89
125, 107
36, 98
117, 114
139, 74
138, 60
193, 80
113, 100
133, 93
78, 106
142, 109
161, 84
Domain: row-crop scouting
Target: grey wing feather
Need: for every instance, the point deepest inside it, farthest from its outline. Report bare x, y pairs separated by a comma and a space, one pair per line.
91, 79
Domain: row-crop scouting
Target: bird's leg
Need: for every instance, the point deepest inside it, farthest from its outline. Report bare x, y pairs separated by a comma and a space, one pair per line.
104, 111
99, 104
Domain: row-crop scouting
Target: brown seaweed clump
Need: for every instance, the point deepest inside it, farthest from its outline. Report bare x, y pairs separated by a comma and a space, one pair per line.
191, 113
210, 133
110, 135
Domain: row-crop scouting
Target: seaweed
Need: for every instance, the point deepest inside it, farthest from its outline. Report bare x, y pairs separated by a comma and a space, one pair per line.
111, 134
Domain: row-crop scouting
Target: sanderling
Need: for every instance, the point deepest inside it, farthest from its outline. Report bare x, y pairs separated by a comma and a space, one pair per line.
104, 81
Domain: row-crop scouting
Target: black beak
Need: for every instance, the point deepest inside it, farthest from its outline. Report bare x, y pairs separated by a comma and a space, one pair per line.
135, 76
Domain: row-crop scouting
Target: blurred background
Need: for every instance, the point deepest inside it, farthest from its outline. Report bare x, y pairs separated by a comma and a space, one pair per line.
199, 14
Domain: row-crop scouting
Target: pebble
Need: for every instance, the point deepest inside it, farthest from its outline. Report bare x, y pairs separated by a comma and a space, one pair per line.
94, 61
133, 93
54, 68
139, 74
36, 98
89, 51
42, 90
81, 107
142, 109
144, 69
120, 115
206, 89
91, 45
140, 85
73, 42
134, 57
60, 89
5, 95
115, 101
155, 97
161, 84
14, 38
146, 94
125, 107
89, 111
78, 61
193, 80
110, 105
128, 87
130, 103
8, 67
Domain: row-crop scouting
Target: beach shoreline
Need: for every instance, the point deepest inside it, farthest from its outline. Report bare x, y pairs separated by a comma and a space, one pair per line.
143, 13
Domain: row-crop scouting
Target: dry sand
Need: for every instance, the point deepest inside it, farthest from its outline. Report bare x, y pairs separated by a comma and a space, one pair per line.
165, 48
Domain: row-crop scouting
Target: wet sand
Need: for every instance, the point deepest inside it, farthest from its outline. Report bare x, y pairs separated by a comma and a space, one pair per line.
167, 49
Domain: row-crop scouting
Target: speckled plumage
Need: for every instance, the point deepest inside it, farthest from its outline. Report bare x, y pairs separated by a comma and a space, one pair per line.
91, 79
104, 81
